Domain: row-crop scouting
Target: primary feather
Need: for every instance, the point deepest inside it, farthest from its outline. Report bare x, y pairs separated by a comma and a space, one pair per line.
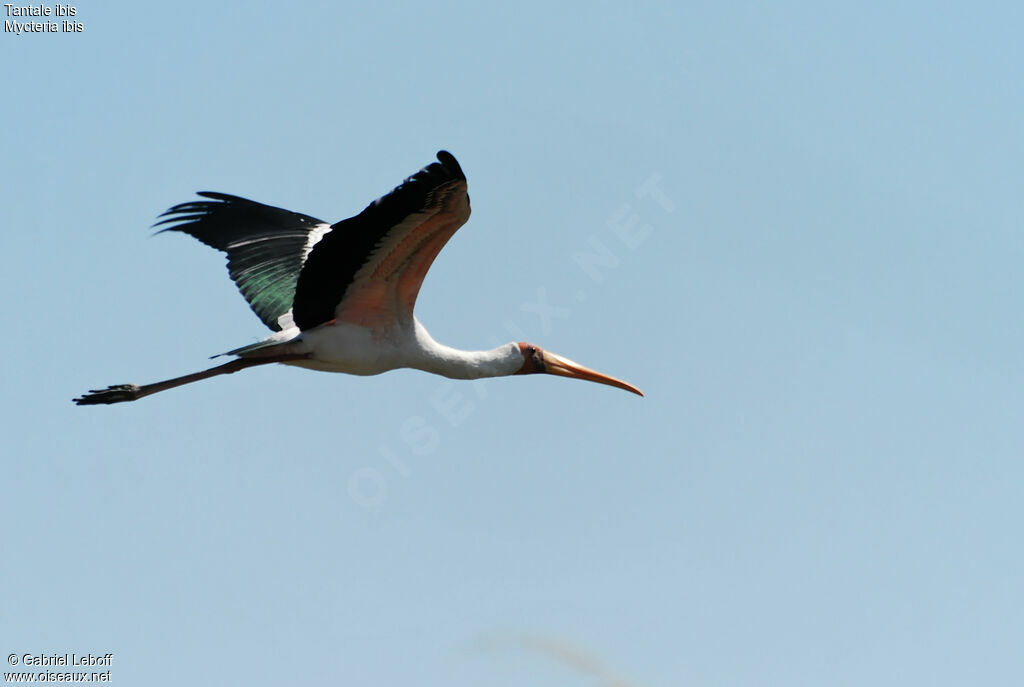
266, 247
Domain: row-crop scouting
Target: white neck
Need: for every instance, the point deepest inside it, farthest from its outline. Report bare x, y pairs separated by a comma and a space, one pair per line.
451, 362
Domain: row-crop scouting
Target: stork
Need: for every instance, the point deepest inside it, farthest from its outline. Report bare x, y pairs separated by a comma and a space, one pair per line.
340, 297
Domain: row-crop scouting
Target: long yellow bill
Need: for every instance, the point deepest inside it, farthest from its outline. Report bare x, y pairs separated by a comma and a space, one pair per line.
557, 365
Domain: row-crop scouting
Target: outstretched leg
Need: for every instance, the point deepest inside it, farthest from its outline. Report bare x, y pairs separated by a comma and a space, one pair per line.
133, 392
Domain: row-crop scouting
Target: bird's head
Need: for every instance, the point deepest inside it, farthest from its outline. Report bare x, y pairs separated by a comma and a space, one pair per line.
536, 360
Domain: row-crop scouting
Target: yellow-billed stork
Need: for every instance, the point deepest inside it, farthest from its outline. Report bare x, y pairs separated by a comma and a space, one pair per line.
340, 297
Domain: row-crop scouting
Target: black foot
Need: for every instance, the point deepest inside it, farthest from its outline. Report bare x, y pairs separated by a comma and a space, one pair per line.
112, 394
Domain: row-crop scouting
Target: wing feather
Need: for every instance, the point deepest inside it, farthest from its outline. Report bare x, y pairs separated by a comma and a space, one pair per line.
265, 245
369, 268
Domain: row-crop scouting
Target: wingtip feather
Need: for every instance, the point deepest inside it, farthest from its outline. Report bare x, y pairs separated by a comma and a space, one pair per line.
449, 162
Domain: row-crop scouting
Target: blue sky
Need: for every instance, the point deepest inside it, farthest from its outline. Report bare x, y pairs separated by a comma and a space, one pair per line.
821, 301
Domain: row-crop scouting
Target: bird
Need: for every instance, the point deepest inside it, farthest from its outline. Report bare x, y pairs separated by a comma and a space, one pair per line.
340, 297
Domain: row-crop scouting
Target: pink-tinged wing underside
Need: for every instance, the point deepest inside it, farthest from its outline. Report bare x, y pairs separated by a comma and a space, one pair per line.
385, 288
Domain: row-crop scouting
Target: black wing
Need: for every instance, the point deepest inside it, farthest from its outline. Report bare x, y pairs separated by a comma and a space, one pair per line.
369, 268
266, 246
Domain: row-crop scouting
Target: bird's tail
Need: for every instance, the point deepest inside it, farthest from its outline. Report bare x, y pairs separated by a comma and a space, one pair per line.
285, 336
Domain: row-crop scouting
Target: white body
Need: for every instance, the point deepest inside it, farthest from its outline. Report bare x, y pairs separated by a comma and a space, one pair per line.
352, 349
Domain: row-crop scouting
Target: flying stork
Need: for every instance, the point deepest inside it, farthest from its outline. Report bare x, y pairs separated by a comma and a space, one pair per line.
340, 297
